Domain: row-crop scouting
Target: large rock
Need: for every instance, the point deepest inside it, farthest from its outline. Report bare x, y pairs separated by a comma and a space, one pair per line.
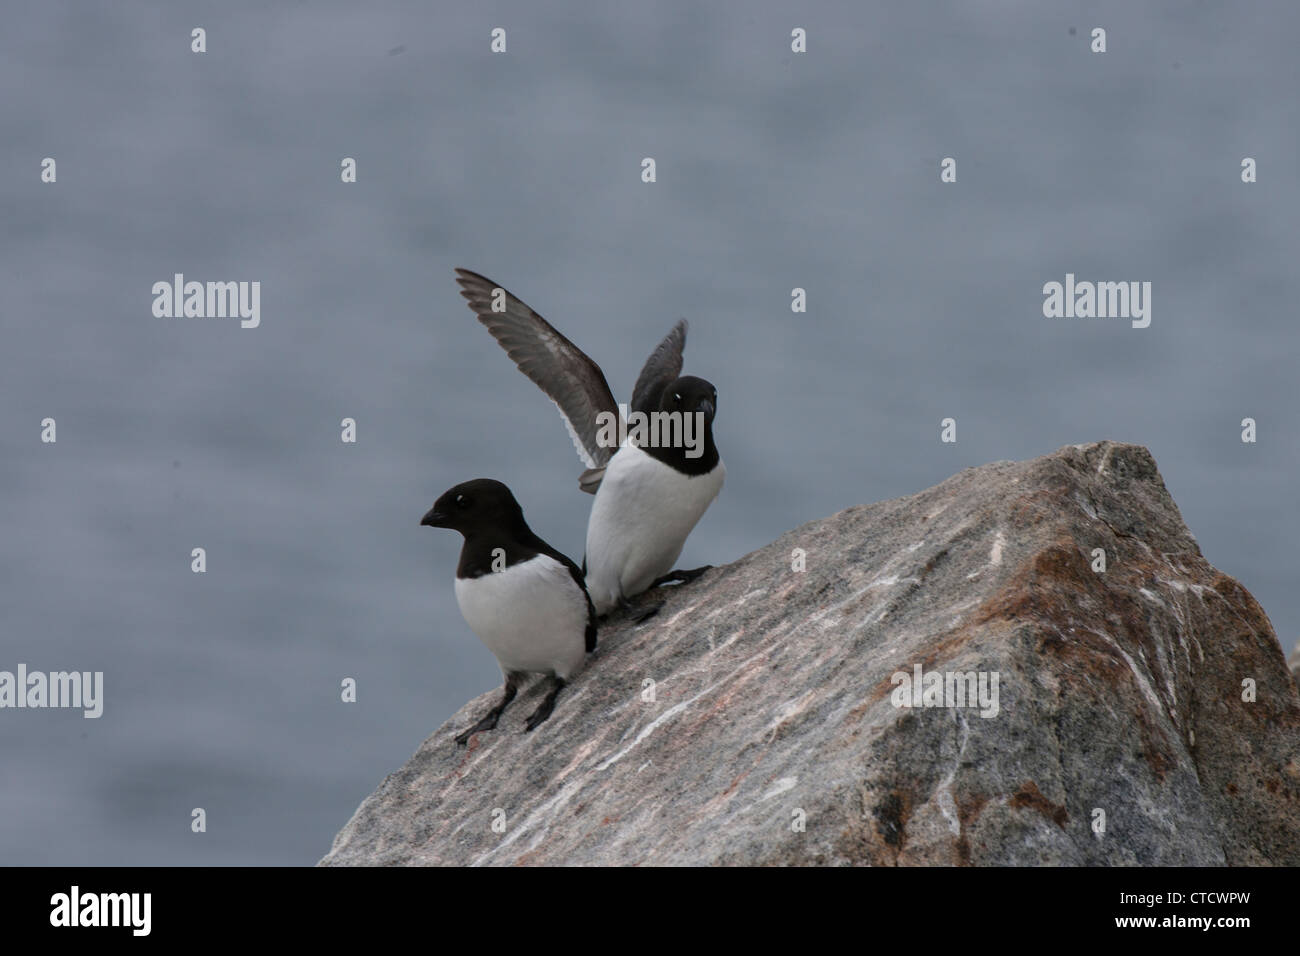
1126, 729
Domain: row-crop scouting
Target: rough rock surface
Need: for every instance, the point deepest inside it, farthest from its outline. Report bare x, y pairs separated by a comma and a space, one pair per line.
1123, 734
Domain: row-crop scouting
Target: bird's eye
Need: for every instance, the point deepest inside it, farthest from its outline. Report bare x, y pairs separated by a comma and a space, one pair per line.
462, 501
677, 396
715, 394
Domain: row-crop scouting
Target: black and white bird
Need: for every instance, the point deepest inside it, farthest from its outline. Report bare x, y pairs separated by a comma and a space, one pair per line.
526, 601
648, 497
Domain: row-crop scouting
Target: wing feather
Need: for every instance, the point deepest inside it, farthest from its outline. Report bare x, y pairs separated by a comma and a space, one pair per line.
559, 368
662, 368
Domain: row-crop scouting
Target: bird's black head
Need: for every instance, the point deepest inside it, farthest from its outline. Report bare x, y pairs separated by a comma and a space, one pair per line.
690, 394
475, 506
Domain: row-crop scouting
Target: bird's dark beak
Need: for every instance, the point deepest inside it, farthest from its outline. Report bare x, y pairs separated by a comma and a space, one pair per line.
434, 519
706, 407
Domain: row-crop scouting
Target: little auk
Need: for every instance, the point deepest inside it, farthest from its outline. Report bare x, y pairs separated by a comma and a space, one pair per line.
526, 601
648, 496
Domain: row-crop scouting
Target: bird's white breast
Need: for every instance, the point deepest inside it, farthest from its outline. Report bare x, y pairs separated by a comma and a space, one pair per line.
531, 615
643, 513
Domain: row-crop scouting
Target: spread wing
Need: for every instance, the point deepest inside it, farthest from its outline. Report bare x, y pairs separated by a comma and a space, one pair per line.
559, 368
662, 367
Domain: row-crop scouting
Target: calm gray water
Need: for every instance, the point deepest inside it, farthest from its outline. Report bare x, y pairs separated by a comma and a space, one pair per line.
775, 170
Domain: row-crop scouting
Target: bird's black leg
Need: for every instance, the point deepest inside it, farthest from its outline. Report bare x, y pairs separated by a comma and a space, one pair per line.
639, 616
490, 719
684, 576
546, 706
